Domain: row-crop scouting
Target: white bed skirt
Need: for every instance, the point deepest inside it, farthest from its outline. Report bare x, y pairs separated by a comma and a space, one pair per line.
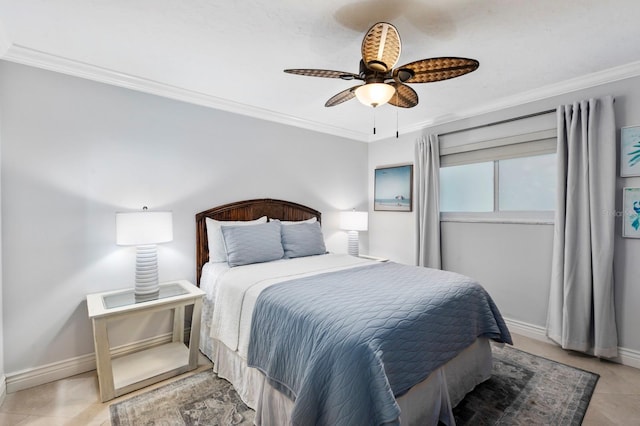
427, 403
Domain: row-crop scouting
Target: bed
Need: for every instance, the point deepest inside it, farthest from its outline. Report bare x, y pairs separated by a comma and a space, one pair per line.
309, 337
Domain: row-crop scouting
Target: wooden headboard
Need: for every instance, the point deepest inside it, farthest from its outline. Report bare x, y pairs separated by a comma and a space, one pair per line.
245, 210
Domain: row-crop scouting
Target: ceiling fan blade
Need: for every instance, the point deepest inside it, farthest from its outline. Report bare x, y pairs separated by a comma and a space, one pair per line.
381, 47
405, 96
434, 69
324, 73
341, 97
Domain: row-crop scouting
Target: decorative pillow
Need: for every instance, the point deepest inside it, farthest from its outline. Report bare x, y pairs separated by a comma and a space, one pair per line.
304, 239
217, 252
253, 244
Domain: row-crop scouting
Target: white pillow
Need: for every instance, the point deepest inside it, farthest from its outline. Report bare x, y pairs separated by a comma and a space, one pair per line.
294, 222
217, 252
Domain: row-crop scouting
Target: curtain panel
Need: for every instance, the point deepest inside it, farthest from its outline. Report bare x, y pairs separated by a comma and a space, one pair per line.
427, 155
581, 313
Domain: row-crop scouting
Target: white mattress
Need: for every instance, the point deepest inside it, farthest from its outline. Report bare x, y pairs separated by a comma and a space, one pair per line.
225, 339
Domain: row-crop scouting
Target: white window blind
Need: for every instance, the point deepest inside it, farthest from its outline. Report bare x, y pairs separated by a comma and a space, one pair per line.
526, 145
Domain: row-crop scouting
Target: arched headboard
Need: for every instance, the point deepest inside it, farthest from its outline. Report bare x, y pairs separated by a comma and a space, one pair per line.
245, 210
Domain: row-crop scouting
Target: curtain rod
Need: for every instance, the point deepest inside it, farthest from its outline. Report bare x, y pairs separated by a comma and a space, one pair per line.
495, 123
508, 120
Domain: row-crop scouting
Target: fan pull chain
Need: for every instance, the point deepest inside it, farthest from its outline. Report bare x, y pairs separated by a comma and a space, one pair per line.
374, 120
397, 109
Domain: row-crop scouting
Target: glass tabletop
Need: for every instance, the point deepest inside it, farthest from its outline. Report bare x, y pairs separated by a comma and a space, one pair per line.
126, 298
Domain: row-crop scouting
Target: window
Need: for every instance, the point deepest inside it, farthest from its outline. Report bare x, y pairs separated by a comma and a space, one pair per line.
467, 188
505, 178
523, 184
527, 183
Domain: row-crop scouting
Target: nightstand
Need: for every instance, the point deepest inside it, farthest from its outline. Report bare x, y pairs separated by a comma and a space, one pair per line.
139, 369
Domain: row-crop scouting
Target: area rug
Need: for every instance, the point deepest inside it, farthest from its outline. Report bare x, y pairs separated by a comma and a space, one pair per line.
524, 389
201, 399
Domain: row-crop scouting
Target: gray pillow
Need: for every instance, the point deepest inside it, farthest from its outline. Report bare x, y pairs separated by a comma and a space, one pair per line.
302, 239
253, 244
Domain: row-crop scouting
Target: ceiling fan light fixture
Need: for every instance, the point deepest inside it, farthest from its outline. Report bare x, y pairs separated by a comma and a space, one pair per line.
375, 94
382, 81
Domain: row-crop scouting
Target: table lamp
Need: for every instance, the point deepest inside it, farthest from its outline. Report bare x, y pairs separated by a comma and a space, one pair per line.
145, 229
353, 222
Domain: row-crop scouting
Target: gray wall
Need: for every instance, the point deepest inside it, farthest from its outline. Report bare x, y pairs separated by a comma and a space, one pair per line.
513, 261
74, 152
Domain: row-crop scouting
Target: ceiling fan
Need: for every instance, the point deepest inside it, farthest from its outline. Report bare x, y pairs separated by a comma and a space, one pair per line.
381, 48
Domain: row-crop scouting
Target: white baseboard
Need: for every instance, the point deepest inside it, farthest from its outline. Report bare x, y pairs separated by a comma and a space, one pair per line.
62, 369
24, 379
528, 330
3, 388
626, 356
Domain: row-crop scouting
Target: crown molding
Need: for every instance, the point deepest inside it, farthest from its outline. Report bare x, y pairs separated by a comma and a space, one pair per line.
587, 81
27, 56
35, 58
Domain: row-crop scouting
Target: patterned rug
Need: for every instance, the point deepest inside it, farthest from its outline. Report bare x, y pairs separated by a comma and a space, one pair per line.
201, 399
524, 389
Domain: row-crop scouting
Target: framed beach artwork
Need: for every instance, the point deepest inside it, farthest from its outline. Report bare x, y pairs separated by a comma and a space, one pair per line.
631, 212
393, 188
630, 151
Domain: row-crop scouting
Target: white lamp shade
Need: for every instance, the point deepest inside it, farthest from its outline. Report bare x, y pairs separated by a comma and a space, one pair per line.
143, 228
374, 94
354, 221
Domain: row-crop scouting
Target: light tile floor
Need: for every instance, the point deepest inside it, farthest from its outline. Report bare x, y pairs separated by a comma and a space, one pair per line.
616, 399
75, 400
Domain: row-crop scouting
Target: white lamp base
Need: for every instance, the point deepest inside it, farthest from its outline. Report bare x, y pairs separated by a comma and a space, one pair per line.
146, 270
354, 243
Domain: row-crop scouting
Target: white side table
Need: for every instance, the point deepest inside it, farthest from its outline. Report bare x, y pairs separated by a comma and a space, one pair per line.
137, 370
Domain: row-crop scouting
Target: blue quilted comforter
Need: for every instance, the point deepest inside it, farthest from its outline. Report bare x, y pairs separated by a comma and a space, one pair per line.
345, 344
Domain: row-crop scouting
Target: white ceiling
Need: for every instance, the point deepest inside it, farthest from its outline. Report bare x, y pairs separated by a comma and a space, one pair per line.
231, 54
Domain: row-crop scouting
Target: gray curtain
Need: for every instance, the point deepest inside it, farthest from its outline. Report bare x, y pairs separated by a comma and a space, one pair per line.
428, 201
581, 312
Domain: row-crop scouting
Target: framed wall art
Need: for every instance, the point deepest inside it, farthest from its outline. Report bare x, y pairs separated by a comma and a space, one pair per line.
631, 212
630, 151
393, 188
